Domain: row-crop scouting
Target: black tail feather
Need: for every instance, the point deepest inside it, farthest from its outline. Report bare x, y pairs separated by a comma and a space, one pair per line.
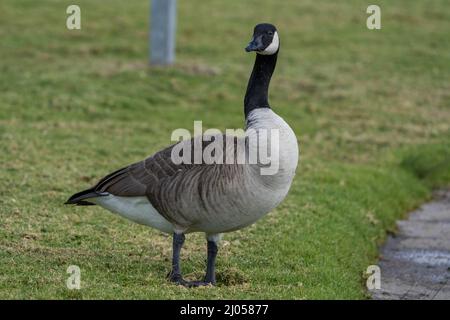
78, 198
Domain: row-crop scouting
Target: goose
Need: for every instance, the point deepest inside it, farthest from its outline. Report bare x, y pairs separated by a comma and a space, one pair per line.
213, 198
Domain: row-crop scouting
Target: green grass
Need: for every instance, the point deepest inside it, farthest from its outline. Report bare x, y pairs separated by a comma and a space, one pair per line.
371, 110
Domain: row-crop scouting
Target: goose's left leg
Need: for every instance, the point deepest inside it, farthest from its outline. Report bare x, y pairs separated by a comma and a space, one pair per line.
210, 277
213, 242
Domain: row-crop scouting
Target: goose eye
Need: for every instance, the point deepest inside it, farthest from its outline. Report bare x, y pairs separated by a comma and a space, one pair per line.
270, 33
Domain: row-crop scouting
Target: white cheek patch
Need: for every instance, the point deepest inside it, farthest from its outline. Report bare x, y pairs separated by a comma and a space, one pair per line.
273, 46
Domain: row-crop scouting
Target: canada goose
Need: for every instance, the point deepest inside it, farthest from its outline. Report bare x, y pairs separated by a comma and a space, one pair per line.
210, 198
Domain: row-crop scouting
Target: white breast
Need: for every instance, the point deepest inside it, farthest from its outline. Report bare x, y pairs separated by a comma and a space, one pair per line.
137, 209
265, 118
277, 185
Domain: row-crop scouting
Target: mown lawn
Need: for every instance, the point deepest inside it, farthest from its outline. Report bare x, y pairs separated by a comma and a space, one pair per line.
371, 110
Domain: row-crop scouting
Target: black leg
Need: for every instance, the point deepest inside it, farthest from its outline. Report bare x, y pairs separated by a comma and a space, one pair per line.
210, 277
177, 244
211, 263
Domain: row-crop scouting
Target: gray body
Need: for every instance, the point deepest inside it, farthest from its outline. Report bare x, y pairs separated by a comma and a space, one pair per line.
211, 198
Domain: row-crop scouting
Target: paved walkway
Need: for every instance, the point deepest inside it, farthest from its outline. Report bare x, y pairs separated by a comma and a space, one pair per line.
415, 263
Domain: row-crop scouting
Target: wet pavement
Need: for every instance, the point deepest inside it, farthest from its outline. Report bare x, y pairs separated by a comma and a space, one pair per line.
415, 263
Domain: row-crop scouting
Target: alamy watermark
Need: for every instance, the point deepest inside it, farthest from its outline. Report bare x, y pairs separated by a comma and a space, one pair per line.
373, 22
73, 21
373, 282
74, 280
254, 146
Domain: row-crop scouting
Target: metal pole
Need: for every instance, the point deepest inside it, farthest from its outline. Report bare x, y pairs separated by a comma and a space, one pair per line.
162, 31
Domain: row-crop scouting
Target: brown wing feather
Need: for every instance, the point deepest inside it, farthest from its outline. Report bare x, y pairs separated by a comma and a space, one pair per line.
158, 178
133, 181
138, 178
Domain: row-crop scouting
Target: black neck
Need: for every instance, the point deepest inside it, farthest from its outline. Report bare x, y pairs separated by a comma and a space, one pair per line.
258, 84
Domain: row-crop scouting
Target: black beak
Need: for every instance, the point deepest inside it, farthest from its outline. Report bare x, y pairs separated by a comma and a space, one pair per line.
255, 45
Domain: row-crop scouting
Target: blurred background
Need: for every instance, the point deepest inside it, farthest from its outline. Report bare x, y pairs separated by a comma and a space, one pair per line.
371, 109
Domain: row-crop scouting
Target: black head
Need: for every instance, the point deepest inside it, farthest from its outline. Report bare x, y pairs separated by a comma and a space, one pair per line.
265, 39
